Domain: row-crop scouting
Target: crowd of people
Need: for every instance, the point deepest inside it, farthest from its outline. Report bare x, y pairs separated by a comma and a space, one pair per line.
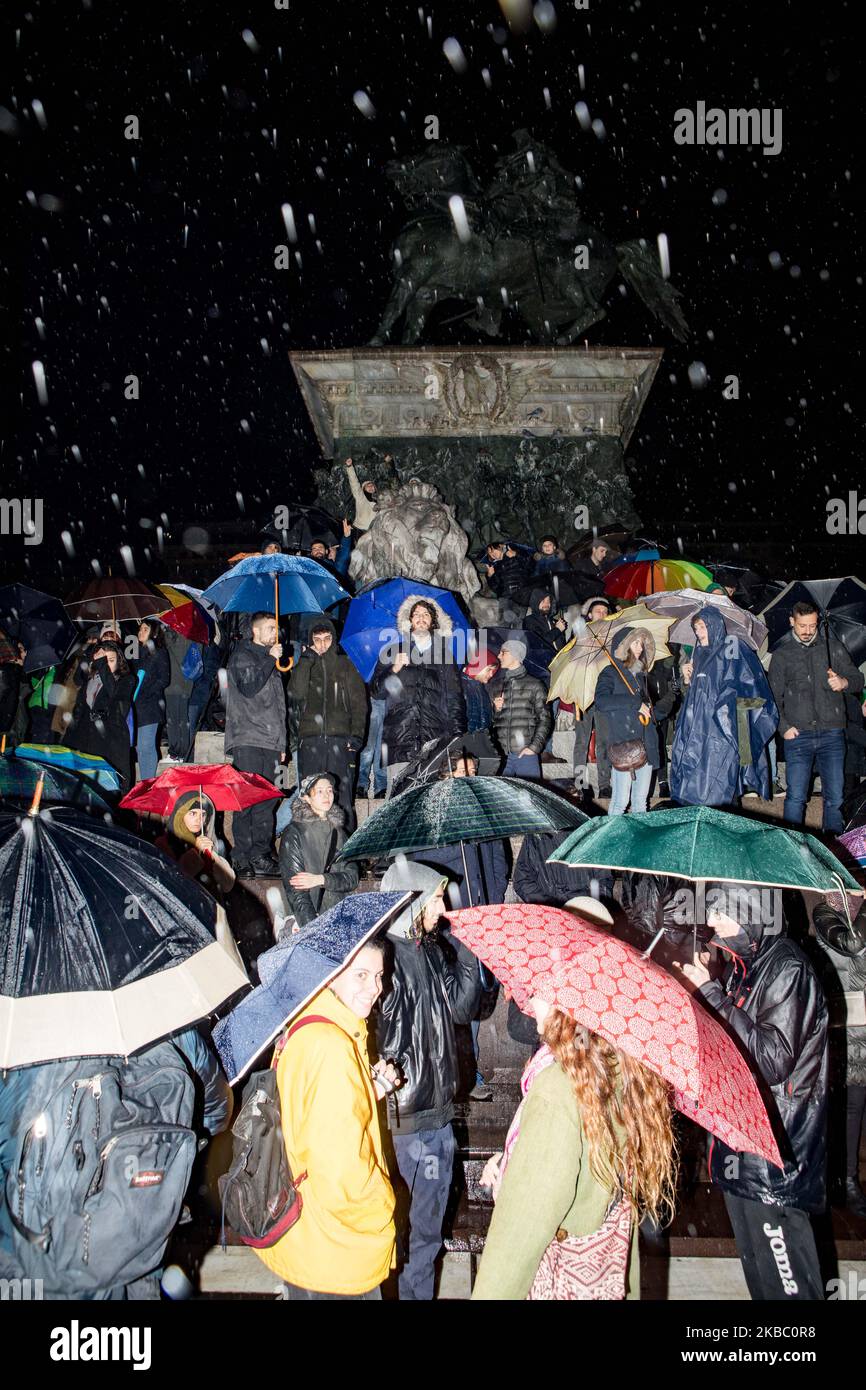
368, 1095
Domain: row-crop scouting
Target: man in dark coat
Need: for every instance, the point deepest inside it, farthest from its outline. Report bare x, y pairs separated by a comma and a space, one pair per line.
541, 620
810, 693
770, 998
420, 684
332, 703
434, 985
522, 720
596, 564
256, 739
508, 573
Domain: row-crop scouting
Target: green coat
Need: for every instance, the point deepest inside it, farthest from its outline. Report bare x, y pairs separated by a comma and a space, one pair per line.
547, 1184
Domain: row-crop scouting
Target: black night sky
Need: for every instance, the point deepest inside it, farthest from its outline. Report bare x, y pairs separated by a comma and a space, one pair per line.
155, 256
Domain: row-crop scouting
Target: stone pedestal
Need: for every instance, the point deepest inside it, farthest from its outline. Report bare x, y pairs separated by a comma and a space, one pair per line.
518, 439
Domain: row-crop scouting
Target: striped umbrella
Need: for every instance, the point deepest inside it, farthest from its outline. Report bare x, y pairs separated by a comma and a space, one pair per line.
640, 577
86, 764
185, 615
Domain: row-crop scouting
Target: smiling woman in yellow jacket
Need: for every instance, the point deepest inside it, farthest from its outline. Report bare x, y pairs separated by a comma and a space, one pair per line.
342, 1246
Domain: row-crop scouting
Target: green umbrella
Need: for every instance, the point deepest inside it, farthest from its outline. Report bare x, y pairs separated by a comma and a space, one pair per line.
700, 843
455, 809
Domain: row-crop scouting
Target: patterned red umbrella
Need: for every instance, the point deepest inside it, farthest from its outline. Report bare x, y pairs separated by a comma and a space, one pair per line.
228, 788
633, 1003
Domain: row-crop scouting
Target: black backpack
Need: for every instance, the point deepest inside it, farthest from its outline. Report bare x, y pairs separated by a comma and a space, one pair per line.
261, 1200
98, 1174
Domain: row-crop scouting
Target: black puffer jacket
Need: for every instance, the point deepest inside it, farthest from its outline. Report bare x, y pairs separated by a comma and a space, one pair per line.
329, 694
310, 845
798, 680
525, 720
772, 1001
435, 984
424, 700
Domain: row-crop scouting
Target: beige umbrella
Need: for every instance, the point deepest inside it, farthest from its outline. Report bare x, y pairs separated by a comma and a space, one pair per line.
575, 670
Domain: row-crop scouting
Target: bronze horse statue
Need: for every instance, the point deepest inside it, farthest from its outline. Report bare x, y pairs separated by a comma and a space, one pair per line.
528, 249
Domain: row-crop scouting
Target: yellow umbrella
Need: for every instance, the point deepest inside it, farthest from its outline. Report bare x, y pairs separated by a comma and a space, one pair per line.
575, 670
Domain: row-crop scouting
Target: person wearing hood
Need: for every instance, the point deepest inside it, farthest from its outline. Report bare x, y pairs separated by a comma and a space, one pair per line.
593, 610
331, 700
843, 971
256, 738
420, 685
769, 996
727, 718
522, 719
541, 620
308, 848
99, 719
623, 704
810, 674
190, 839
434, 985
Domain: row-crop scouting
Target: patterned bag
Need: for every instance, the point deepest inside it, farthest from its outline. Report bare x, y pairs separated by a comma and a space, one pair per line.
578, 1268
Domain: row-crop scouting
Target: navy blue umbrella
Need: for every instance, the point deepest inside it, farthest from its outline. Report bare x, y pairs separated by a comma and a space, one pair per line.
39, 621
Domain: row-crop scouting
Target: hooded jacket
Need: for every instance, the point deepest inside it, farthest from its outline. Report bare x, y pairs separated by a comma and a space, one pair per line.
618, 702
329, 693
101, 728
525, 720
771, 999
424, 700
540, 623
255, 700
798, 679
310, 844
212, 871
843, 973
727, 718
435, 984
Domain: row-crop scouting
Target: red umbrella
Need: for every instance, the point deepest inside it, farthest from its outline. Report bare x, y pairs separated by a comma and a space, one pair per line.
185, 616
228, 788
609, 988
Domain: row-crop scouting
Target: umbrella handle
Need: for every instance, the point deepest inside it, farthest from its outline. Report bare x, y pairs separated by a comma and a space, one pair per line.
644, 719
281, 666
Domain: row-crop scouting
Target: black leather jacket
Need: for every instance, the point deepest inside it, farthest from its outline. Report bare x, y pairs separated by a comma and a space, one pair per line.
772, 1001
435, 983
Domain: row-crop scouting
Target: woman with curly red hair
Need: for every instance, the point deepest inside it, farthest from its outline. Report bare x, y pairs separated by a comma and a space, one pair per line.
590, 1152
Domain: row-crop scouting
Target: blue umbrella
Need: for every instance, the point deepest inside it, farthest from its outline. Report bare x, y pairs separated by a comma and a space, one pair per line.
371, 622
294, 972
39, 621
291, 583
86, 764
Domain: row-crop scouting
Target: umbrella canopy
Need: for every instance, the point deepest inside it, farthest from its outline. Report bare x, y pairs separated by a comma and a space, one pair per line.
855, 842
105, 946
299, 526
841, 604
119, 599
371, 620
682, 604
228, 788
440, 754
854, 808
85, 764
19, 780
300, 584
460, 808
294, 972
574, 671
698, 842
635, 1005
185, 615
639, 577
39, 622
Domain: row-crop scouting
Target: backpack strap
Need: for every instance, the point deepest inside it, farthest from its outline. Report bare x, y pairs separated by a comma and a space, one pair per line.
301, 1023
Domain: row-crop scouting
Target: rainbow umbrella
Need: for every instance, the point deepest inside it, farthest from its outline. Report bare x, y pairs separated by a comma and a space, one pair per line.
640, 577
185, 616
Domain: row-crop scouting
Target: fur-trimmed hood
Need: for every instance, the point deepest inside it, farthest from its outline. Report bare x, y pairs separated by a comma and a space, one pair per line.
446, 626
624, 639
302, 811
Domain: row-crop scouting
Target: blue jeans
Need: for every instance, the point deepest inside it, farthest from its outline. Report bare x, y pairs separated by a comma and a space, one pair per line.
371, 754
624, 788
426, 1161
515, 766
146, 749
826, 747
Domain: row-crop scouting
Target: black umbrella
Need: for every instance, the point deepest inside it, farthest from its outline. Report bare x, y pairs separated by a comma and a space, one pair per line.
296, 526
539, 653
39, 622
841, 604
105, 946
439, 755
